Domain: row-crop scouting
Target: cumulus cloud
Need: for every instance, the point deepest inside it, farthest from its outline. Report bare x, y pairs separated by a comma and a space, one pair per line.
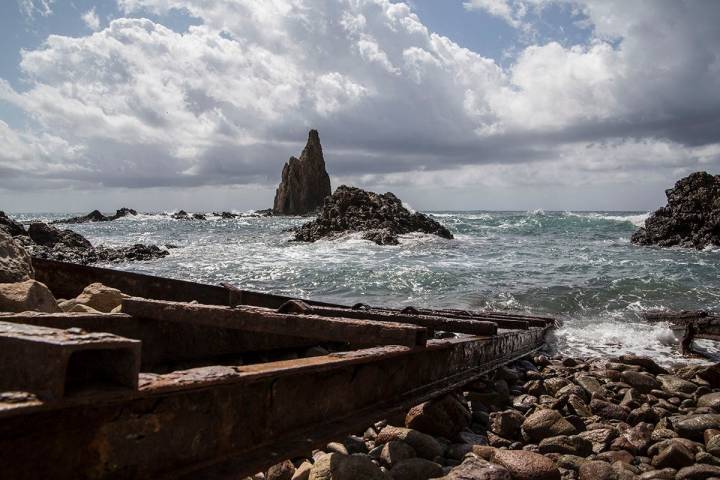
137, 104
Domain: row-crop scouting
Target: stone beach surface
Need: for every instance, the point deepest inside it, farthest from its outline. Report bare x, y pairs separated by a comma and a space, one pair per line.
542, 418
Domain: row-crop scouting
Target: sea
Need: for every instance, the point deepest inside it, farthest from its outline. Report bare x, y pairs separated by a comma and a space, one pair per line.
579, 267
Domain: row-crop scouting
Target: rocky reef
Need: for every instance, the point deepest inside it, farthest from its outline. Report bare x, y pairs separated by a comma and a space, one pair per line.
47, 241
97, 216
691, 217
381, 218
305, 182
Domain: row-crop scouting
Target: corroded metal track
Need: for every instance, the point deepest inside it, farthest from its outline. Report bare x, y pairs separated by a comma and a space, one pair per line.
231, 417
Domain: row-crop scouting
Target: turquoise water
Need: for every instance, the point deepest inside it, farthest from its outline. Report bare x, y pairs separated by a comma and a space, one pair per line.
578, 266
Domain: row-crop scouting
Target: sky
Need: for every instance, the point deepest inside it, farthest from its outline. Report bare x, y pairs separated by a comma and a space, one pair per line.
450, 104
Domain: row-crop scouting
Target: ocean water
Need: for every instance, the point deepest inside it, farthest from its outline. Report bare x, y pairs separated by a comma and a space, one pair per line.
577, 266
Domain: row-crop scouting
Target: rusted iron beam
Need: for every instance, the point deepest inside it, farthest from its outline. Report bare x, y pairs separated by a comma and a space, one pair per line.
500, 322
229, 422
167, 343
263, 320
471, 327
51, 363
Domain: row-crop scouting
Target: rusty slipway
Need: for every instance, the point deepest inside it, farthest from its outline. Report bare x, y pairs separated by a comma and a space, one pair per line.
221, 387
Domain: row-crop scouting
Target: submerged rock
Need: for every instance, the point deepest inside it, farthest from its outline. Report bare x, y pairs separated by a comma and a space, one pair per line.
691, 217
305, 182
381, 217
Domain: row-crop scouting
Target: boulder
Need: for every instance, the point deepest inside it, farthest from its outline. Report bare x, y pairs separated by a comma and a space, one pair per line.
569, 445
674, 384
416, 469
395, 451
100, 297
381, 217
281, 471
698, 472
507, 424
608, 410
691, 217
546, 423
643, 382
443, 417
334, 466
49, 236
29, 295
10, 226
424, 445
477, 469
693, 426
15, 262
596, 470
711, 400
524, 465
305, 182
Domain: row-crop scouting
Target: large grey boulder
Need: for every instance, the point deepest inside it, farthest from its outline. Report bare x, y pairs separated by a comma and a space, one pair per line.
305, 182
15, 263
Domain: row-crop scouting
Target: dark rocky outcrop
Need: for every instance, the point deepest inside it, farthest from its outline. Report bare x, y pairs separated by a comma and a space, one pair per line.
183, 215
381, 217
691, 217
97, 216
10, 226
305, 182
47, 241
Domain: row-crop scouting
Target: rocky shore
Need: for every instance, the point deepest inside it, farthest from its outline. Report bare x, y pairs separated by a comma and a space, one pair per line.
691, 217
380, 217
47, 241
542, 418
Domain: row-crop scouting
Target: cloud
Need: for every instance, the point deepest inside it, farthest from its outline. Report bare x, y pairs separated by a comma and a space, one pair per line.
136, 104
30, 8
91, 19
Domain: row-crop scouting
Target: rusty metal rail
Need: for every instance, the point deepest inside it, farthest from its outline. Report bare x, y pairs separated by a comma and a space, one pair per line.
250, 397
208, 421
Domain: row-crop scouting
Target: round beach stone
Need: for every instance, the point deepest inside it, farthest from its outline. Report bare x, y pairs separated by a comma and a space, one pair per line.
477, 469
396, 451
675, 384
596, 470
334, 466
547, 423
424, 445
524, 465
415, 468
642, 381
711, 400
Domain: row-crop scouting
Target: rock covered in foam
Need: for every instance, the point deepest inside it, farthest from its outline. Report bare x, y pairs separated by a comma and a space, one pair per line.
691, 217
381, 218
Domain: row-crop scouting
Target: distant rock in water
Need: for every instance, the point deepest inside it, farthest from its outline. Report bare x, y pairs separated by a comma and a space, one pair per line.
305, 182
97, 216
45, 241
690, 219
381, 217
183, 215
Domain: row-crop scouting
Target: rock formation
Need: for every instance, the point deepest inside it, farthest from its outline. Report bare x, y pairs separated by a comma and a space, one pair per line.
97, 216
15, 263
305, 182
381, 217
690, 219
10, 226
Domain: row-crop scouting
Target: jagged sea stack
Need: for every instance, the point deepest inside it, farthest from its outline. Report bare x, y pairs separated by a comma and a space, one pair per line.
305, 182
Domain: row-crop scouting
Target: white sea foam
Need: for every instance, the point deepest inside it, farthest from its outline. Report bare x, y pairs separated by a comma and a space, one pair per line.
636, 219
